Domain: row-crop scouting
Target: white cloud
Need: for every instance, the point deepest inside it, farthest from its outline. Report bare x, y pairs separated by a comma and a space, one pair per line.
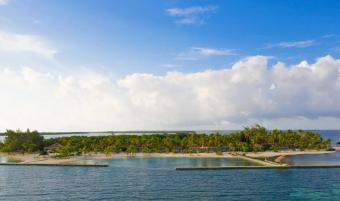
249, 91
192, 15
170, 65
180, 12
328, 36
4, 2
196, 53
294, 44
25, 43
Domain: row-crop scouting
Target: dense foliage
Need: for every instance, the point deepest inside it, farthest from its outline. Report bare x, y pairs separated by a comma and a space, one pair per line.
18, 141
255, 139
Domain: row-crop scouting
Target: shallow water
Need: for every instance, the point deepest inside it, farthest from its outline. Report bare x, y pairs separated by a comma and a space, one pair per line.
172, 163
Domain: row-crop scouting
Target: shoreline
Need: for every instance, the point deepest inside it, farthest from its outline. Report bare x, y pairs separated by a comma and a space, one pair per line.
38, 159
269, 154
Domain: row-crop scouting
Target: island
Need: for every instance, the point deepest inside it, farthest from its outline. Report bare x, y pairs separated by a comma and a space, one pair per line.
254, 141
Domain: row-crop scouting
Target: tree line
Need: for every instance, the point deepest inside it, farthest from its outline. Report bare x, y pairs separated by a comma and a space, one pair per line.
250, 139
19, 141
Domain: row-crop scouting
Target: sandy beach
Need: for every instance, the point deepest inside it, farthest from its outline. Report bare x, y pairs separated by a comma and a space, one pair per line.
38, 159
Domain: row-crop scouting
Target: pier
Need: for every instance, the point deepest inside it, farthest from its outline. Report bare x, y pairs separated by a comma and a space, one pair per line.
257, 167
60, 165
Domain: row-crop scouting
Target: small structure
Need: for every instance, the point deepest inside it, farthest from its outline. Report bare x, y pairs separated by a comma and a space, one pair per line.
52, 148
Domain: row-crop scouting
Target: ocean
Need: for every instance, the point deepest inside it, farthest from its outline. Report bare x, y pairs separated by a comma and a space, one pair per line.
149, 182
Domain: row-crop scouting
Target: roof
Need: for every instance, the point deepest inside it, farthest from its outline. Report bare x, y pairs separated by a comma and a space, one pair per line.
55, 145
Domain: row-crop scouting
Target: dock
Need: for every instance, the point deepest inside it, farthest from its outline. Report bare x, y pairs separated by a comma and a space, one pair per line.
59, 165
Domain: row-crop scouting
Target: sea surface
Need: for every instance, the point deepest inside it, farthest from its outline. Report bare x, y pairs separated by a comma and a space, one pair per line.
156, 179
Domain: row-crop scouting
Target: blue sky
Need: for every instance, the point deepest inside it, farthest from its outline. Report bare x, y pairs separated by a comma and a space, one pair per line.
171, 64
130, 36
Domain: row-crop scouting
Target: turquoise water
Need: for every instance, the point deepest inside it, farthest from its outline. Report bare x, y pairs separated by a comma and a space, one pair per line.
172, 163
168, 163
155, 179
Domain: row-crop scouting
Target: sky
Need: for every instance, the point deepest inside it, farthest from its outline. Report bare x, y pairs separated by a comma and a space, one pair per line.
81, 65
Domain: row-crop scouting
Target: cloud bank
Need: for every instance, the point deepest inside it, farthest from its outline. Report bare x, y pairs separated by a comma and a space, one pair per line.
249, 91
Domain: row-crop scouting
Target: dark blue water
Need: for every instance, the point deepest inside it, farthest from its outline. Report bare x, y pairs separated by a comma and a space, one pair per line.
334, 135
114, 183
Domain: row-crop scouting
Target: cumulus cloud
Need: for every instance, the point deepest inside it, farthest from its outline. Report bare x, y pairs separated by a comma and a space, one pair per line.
250, 91
196, 53
192, 15
25, 43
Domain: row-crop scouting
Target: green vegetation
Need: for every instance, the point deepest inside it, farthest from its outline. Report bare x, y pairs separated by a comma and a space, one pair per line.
18, 141
250, 139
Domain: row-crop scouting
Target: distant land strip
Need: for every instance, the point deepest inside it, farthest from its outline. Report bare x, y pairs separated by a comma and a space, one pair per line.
147, 132
112, 132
